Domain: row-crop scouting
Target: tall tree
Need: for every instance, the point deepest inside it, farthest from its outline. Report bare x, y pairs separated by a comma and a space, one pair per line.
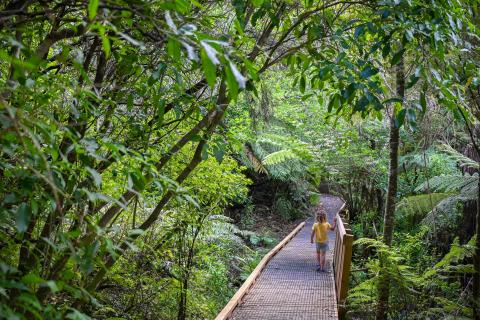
389, 217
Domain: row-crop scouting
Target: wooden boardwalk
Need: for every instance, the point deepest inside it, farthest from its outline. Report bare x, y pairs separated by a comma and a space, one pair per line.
289, 287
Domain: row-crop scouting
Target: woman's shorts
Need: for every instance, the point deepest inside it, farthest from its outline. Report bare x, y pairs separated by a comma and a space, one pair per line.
322, 246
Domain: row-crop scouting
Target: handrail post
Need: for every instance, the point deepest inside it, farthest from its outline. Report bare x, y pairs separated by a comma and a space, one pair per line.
342, 259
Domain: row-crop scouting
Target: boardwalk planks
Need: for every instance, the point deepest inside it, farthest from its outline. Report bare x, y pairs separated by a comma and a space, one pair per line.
285, 285
236, 299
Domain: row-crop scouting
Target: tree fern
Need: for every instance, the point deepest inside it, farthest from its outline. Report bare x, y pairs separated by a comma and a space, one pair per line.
458, 157
450, 262
451, 183
410, 161
419, 205
255, 162
404, 280
279, 157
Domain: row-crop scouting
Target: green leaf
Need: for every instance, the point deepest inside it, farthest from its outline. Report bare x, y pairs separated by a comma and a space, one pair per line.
92, 9
359, 31
53, 286
397, 56
209, 69
302, 83
77, 315
136, 180
22, 218
361, 104
314, 198
205, 152
392, 100
367, 72
423, 102
231, 83
348, 92
411, 116
160, 105
413, 80
105, 40
130, 102
97, 178
174, 49
400, 118
334, 103
136, 232
241, 80
32, 278
386, 50
219, 153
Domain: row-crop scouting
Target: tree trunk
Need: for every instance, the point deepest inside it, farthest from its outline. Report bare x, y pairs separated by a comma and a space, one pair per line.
388, 220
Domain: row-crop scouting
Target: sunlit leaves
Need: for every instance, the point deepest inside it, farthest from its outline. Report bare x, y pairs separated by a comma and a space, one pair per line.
174, 49
209, 68
92, 8
97, 178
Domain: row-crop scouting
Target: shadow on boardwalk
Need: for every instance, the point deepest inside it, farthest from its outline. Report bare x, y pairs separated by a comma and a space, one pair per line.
289, 287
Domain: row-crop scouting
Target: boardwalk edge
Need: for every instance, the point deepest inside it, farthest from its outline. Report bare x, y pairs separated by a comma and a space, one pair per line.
237, 298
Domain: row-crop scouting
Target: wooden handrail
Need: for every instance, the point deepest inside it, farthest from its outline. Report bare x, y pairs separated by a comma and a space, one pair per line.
237, 298
342, 258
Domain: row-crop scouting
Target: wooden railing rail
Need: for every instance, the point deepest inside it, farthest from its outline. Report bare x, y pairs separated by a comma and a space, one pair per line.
342, 257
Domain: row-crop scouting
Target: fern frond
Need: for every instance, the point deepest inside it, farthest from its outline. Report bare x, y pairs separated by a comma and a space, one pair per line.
420, 205
460, 158
256, 163
411, 161
456, 254
372, 243
279, 157
449, 183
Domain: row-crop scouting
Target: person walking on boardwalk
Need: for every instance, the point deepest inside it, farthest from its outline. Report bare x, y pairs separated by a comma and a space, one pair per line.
320, 231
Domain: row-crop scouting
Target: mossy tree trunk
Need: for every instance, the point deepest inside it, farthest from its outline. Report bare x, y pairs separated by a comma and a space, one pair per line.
384, 281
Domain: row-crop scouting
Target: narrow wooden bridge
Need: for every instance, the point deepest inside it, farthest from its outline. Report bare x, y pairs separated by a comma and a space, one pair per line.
285, 284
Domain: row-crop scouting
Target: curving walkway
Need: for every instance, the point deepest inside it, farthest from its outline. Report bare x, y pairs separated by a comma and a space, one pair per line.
289, 287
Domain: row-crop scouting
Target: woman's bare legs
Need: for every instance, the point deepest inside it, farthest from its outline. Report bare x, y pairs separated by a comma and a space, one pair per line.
322, 260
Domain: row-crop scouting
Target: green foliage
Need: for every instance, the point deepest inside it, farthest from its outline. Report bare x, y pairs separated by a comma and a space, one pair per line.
452, 261
125, 128
404, 280
417, 293
279, 156
413, 209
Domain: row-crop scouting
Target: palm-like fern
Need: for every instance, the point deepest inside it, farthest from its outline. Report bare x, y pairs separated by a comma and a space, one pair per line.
465, 185
461, 159
461, 187
279, 156
420, 205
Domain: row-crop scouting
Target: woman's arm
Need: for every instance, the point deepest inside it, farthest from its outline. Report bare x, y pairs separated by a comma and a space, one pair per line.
334, 224
311, 236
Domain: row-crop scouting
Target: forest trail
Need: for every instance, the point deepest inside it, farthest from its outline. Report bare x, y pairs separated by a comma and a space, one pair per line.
289, 287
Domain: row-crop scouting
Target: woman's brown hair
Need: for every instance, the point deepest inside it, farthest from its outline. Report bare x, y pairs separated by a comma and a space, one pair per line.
322, 216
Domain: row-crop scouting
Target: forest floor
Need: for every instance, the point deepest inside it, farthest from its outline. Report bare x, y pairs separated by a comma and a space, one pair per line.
268, 222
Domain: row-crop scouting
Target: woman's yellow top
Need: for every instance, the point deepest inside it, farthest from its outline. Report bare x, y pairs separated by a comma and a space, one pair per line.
321, 231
